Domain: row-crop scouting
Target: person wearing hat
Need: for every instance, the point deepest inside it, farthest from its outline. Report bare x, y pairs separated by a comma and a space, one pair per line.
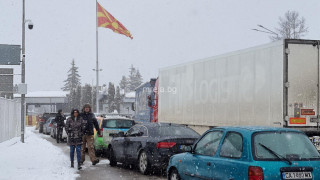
74, 128
87, 138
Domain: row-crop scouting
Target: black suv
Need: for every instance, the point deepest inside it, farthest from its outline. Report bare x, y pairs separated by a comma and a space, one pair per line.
44, 118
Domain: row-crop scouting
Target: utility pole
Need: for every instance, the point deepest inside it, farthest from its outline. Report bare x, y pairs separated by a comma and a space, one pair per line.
23, 86
23, 72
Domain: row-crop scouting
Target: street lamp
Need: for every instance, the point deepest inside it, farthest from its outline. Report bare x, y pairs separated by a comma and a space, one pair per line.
268, 30
23, 68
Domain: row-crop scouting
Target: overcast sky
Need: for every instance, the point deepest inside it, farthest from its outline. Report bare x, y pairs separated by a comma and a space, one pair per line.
165, 33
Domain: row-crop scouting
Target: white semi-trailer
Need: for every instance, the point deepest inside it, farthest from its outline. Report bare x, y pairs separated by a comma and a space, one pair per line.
276, 84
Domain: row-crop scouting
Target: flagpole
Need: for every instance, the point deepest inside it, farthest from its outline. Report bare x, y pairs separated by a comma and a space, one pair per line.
97, 61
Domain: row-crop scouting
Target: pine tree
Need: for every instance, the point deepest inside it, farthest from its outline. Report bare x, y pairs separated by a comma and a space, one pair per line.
94, 97
118, 99
131, 78
138, 79
72, 100
110, 97
86, 95
73, 79
124, 84
78, 96
135, 79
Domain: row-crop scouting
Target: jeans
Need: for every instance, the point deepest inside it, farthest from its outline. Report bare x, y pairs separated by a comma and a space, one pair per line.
78, 149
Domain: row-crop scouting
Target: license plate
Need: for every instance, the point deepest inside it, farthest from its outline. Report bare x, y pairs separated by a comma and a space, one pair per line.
296, 175
182, 147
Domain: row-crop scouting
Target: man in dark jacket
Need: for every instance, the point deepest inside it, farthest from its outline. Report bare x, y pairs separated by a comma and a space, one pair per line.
60, 124
87, 138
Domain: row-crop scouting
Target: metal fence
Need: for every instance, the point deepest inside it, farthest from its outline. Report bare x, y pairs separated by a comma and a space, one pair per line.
10, 119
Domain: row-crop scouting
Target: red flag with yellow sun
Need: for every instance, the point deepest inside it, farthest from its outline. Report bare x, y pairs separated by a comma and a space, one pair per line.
105, 19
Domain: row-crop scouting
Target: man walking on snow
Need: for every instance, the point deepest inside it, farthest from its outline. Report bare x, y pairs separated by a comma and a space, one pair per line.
87, 138
60, 124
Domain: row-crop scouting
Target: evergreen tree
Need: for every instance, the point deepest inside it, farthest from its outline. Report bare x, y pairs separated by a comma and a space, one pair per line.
72, 99
124, 84
86, 95
118, 99
73, 79
94, 97
138, 79
78, 96
131, 78
111, 97
135, 78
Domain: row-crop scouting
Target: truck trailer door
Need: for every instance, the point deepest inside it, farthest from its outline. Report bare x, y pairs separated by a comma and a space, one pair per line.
302, 58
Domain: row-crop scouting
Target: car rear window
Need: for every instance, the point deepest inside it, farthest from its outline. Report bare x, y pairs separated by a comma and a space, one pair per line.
291, 145
176, 131
117, 123
48, 115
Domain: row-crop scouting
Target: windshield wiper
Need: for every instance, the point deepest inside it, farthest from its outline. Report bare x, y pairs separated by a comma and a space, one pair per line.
276, 154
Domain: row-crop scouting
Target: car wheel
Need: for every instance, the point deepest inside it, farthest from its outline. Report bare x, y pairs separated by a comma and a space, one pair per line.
112, 158
144, 165
174, 175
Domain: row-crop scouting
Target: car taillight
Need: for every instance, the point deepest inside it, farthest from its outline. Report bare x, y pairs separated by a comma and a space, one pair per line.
101, 133
255, 173
50, 125
165, 144
41, 120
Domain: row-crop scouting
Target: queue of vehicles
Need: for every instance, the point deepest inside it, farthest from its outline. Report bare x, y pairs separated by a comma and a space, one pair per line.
274, 85
220, 153
254, 107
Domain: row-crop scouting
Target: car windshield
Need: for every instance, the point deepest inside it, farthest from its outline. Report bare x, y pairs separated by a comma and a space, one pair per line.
283, 145
176, 131
117, 123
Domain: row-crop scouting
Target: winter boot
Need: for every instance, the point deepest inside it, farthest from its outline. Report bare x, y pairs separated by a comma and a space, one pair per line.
72, 164
79, 166
95, 162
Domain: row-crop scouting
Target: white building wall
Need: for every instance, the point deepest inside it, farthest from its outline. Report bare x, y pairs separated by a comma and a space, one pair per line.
10, 119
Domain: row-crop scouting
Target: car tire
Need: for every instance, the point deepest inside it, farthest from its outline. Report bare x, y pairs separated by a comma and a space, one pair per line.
174, 175
112, 158
143, 163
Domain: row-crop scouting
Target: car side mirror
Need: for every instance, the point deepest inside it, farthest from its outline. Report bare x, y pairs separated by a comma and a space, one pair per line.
140, 134
133, 108
187, 149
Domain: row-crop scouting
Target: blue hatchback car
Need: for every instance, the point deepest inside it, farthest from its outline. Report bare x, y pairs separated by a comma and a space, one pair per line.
248, 153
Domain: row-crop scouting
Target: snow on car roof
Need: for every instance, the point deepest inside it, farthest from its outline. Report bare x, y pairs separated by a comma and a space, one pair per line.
116, 117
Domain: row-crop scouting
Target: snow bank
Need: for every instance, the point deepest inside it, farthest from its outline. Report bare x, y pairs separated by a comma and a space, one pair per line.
35, 159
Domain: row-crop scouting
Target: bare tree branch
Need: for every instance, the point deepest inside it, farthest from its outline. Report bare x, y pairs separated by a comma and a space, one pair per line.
290, 27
